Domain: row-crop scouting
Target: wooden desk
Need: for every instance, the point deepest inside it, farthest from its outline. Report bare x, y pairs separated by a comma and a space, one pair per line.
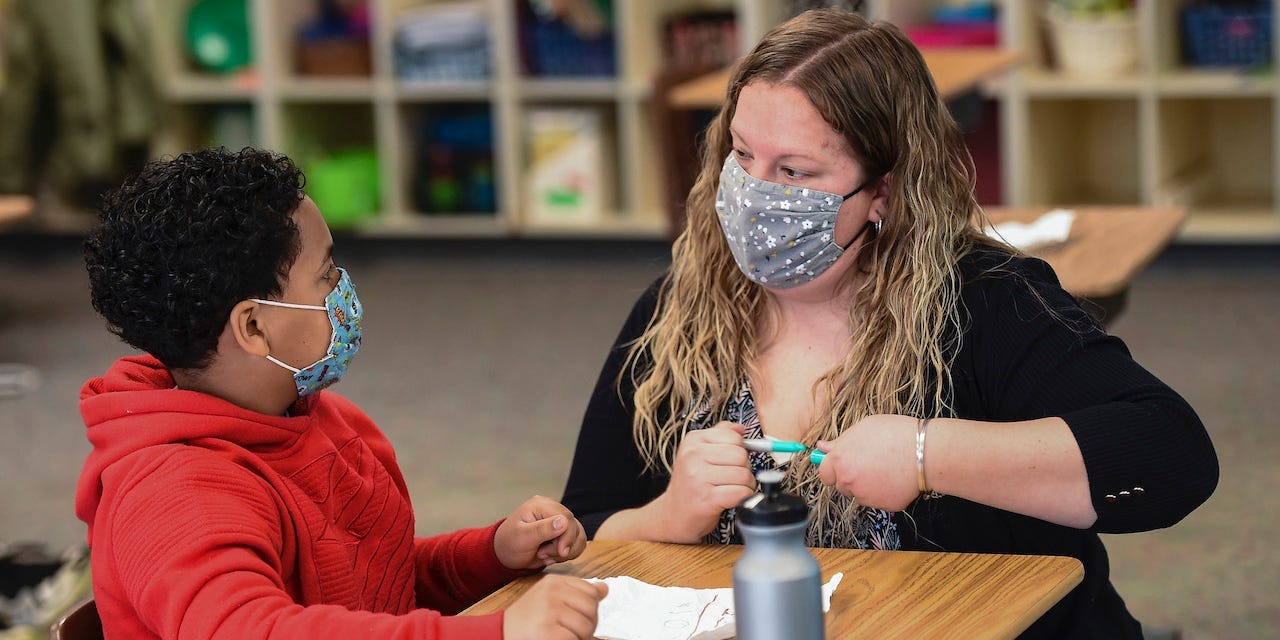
15, 207
1107, 247
884, 594
955, 71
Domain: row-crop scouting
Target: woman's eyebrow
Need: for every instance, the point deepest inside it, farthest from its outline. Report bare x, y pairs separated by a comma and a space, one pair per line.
796, 155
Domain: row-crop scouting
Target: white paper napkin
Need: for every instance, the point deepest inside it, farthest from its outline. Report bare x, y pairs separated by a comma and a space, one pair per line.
637, 610
1050, 228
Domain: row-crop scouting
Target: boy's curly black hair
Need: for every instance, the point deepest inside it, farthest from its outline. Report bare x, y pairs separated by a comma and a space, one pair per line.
178, 245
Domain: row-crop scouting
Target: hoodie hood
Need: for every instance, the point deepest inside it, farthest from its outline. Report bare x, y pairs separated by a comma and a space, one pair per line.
135, 406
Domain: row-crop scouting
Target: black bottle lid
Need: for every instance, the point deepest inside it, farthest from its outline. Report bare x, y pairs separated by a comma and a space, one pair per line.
772, 507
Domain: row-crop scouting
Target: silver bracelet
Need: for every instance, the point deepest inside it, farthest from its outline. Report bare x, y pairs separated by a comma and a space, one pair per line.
922, 425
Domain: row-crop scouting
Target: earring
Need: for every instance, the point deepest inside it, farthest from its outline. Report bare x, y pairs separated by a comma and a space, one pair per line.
878, 224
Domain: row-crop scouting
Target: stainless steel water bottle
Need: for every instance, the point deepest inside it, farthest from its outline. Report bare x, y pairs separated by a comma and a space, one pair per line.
777, 584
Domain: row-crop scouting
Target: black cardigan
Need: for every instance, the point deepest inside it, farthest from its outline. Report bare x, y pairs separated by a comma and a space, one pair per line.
1027, 351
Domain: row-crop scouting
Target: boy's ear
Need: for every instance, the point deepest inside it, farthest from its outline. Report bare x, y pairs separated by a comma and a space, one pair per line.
247, 324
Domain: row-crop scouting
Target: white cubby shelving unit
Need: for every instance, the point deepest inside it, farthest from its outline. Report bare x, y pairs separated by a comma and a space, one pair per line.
279, 107
1167, 134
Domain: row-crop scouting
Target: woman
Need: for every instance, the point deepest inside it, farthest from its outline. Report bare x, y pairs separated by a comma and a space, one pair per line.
833, 288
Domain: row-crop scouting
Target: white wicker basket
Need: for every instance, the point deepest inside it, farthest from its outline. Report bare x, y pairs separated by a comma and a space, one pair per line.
1101, 47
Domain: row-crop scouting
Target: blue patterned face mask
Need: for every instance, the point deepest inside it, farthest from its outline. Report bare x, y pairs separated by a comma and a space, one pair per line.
780, 236
344, 311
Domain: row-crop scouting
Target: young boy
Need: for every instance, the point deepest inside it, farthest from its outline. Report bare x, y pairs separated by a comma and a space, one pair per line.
227, 495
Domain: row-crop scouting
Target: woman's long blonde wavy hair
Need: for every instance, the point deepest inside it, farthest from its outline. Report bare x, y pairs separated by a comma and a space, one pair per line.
872, 86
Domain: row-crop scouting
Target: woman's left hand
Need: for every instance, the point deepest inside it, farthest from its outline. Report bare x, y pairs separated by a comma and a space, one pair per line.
539, 533
874, 462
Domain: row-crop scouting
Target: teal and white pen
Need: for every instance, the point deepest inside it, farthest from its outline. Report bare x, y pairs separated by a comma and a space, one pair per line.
782, 446
775, 446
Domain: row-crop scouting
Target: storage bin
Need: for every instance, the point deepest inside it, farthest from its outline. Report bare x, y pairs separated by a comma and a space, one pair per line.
441, 42
1101, 47
468, 61
976, 34
557, 50
349, 57
1227, 35
344, 186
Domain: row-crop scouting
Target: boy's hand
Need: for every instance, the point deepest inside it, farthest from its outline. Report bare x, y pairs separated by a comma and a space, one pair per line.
557, 607
539, 533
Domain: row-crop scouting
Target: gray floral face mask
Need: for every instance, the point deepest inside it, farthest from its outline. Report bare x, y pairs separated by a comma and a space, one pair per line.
780, 236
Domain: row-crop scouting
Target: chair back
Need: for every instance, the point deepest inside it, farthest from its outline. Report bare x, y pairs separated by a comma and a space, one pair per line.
81, 623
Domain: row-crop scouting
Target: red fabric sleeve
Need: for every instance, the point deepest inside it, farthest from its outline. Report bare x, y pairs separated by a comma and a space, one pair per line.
195, 551
456, 570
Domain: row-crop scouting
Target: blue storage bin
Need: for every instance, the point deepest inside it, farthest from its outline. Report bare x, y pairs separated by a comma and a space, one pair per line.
557, 50
1227, 35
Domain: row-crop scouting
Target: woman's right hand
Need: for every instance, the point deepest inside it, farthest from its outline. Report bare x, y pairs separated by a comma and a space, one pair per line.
556, 607
711, 473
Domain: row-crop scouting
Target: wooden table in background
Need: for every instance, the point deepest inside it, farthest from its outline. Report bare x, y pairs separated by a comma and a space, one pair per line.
884, 594
1107, 248
15, 207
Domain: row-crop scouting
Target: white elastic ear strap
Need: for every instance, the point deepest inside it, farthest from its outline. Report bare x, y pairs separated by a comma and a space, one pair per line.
310, 307
272, 358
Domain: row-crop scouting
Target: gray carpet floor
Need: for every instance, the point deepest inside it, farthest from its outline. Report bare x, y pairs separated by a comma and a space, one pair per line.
479, 357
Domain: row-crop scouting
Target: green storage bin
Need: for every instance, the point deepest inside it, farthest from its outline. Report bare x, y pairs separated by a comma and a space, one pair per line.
344, 186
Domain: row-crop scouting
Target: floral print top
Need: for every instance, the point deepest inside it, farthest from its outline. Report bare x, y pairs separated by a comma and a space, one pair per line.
874, 529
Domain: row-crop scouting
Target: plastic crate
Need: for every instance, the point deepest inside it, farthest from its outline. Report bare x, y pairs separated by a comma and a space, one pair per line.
975, 34
1227, 35
464, 61
557, 50
443, 41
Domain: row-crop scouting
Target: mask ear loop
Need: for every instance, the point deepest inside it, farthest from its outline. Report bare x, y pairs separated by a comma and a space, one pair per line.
273, 359
287, 305
877, 224
290, 305
856, 236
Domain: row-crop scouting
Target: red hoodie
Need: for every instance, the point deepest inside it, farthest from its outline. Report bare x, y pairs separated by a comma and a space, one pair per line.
207, 520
